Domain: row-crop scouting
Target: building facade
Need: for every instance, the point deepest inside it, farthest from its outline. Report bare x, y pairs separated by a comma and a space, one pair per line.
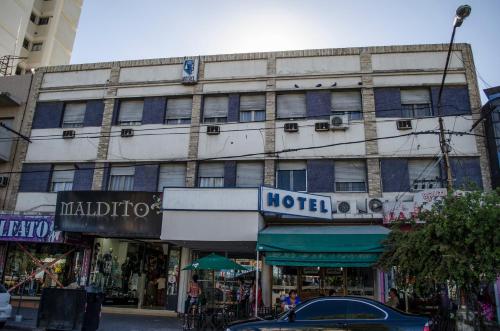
301, 156
491, 112
37, 33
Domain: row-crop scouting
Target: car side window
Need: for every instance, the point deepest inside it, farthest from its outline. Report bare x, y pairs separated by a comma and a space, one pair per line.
322, 310
361, 310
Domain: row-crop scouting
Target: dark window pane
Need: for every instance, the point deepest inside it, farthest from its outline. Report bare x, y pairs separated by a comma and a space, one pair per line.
361, 310
284, 179
323, 310
299, 180
355, 115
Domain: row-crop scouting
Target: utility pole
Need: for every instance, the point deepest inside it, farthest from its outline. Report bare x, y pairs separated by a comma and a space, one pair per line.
462, 12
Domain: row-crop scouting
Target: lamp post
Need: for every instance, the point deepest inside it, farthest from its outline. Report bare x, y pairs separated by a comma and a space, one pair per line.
461, 13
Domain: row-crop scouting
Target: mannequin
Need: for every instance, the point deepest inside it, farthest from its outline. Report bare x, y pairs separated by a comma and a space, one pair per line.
126, 271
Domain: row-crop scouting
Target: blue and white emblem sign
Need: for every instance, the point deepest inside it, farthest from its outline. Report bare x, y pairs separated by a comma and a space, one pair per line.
190, 71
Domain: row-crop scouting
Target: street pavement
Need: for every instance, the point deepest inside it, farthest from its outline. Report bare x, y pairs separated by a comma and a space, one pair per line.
109, 322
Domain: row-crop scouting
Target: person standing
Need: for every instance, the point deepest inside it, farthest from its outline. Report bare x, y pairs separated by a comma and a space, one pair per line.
291, 301
393, 300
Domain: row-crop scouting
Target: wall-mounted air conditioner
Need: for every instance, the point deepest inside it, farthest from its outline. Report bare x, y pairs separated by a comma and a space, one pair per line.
291, 127
339, 122
68, 134
347, 207
374, 206
213, 129
322, 126
403, 124
127, 133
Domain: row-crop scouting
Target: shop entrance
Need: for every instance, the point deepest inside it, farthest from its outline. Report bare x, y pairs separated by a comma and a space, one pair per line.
312, 282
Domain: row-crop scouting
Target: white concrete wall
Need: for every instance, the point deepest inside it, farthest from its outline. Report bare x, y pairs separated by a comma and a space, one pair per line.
414, 61
250, 138
317, 65
36, 202
307, 136
151, 73
427, 144
72, 95
287, 84
234, 69
76, 78
417, 80
210, 226
55, 149
253, 86
155, 142
163, 90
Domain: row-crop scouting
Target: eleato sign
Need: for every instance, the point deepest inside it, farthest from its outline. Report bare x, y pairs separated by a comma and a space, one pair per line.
190, 71
295, 203
29, 228
136, 214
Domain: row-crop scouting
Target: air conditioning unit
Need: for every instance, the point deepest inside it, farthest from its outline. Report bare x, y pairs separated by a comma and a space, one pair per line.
321, 126
339, 122
213, 129
291, 127
68, 134
4, 181
127, 133
403, 124
374, 206
347, 207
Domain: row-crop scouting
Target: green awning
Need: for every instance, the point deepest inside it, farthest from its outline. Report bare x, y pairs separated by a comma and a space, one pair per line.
322, 246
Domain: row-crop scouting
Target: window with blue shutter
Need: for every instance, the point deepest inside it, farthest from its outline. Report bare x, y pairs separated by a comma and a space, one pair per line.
93, 113
454, 100
387, 101
395, 176
292, 176
84, 175
154, 110
320, 176
48, 115
35, 177
146, 177
318, 104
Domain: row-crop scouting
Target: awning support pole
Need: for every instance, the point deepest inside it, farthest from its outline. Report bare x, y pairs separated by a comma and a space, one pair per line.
257, 286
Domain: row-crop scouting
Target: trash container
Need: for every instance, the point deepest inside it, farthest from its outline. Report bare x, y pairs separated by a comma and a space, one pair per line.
92, 316
61, 309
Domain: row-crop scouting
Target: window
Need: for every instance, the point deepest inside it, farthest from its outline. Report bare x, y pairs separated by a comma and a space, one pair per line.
211, 175
33, 18
62, 178
215, 109
323, 310
350, 176
252, 108
291, 105
179, 111
361, 310
36, 47
172, 175
249, 174
130, 112
347, 102
43, 21
74, 114
292, 176
26, 44
121, 178
424, 174
416, 103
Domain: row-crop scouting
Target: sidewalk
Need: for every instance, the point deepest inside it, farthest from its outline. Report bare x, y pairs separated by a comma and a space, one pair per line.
109, 322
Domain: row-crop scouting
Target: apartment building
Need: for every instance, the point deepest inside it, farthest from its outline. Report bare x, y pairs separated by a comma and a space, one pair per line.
290, 162
36, 33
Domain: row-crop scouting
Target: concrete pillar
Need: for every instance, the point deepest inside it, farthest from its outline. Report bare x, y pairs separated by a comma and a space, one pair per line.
267, 283
184, 278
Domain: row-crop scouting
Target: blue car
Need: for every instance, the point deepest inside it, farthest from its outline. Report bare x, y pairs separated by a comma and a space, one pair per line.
340, 313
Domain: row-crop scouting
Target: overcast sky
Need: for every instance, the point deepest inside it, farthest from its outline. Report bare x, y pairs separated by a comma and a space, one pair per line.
130, 29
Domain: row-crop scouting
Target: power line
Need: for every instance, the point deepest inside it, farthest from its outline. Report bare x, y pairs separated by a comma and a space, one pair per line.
270, 154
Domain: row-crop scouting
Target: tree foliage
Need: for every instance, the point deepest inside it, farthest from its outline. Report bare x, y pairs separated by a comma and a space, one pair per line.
459, 242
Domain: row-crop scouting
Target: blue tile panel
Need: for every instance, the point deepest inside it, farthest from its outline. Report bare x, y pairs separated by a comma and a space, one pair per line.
93, 113
84, 173
230, 174
318, 104
466, 172
387, 102
395, 176
146, 177
320, 176
154, 110
35, 177
233, 111
454, 100
48, 115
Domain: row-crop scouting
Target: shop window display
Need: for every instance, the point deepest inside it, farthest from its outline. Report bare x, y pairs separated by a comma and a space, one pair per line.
19, 266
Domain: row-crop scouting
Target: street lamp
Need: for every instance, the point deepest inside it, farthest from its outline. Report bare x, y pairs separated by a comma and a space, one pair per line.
461, 13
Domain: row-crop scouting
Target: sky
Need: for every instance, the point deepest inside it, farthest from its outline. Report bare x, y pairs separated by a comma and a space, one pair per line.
112, 30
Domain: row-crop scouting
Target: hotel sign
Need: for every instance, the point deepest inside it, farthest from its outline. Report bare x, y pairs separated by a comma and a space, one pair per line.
119, 214
295, 203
